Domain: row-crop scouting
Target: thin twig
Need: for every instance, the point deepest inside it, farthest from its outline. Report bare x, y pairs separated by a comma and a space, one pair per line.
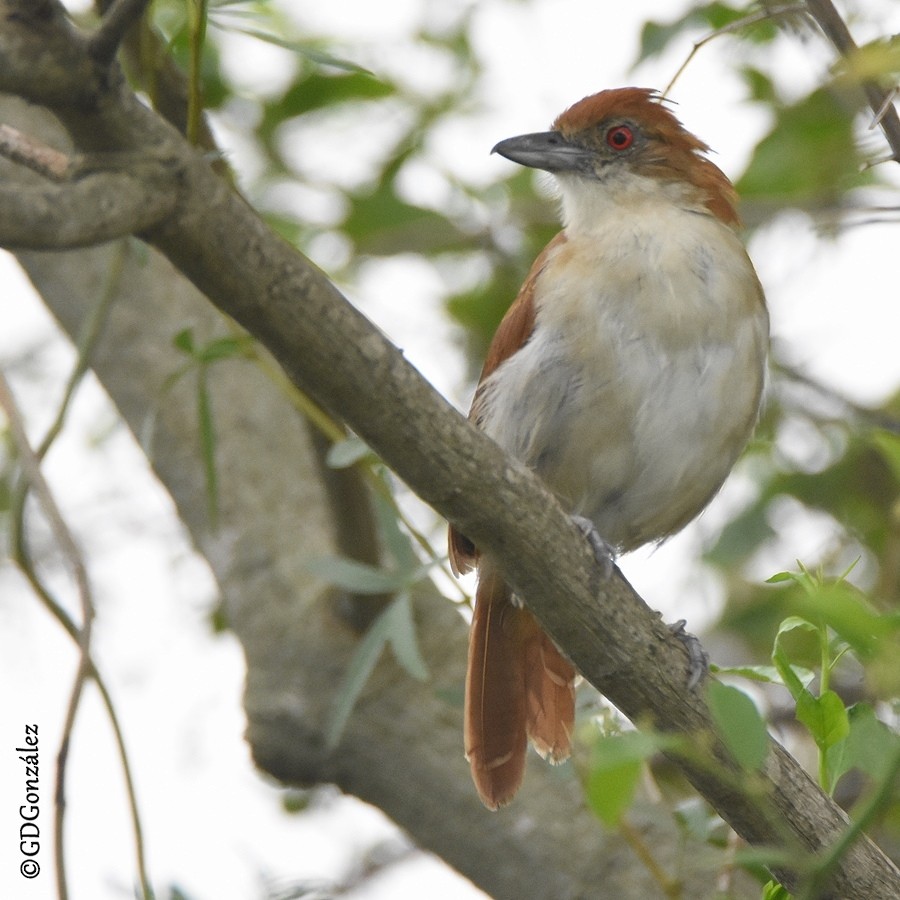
871, 417
761, 16
35, 155
23, 561
119, 17
197, 38
834, 28
670, 887
881, 112
31, 468
87, 341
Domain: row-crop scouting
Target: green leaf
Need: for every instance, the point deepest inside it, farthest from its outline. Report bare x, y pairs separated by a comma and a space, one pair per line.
611, 791
347, 453
311, 51
888, 445
225, 348
848, 613
396, 541
871, 746
240, 345
873, 61
208, 448
381, 224
360, 578
698, 821
792, 623
761, 87
774, 891
825, 717
358, 671
402, 635
317, 90
395, 626
780, 577
827, 721
739, 539
616, 762
656, 36
809, 156
184, 341
789, 674
739, 723
845, 610
765, 674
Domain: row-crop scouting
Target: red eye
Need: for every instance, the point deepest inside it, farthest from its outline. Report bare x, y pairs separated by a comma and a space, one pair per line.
620, 138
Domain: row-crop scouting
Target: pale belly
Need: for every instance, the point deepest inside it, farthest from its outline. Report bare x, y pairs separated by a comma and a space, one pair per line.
632, 422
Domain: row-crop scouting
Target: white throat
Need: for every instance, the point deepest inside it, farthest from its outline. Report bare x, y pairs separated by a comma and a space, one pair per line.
589, 203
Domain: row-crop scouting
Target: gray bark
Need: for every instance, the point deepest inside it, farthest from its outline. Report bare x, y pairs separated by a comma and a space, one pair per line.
334, 354
402, 749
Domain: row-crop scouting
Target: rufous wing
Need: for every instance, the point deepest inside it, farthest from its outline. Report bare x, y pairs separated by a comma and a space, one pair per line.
495, 704
518, 687
549, 696
512, 333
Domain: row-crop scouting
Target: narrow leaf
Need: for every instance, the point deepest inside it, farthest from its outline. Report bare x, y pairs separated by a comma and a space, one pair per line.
360, 578
402, 636
184, 341
225, 348
347, 452
356, 676
312, 53
739, 724
396, 541
208, 447
789, 675
775, 891
765, 674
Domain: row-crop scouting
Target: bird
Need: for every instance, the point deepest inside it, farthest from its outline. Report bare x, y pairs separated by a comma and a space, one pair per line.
628, 373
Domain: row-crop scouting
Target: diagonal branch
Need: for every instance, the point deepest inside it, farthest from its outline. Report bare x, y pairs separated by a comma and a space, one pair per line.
118, 18
332, 352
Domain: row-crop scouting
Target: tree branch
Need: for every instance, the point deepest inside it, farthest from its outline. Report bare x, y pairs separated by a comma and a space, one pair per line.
402, 747
104, 196
881, 101
22, 149
118, 18
332, 352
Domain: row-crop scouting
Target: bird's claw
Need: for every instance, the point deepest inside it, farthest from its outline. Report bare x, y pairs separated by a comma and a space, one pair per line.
698, 658
604, 552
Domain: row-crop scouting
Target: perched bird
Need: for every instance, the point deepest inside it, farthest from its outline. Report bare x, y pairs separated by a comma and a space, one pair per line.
627, 373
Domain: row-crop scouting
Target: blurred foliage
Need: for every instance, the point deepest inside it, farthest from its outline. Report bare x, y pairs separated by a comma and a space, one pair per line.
372, 215
7, 473
400, 198
817, 129
709, 18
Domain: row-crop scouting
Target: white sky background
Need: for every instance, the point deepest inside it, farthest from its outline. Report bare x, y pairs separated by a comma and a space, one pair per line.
211, 824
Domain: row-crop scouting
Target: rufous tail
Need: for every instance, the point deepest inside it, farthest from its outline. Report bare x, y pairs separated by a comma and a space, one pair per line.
518, 686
